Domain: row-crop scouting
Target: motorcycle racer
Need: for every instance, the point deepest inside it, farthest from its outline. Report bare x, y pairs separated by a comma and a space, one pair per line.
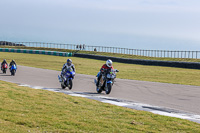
4, 62
12, 63
106, 66
67, 66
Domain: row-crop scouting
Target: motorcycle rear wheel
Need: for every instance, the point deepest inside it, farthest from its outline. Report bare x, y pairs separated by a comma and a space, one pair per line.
4, 71
13, 73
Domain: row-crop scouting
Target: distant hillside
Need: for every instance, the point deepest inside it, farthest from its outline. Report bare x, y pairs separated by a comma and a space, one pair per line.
5, 43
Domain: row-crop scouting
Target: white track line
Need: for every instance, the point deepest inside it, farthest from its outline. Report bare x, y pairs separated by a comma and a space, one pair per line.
132, 105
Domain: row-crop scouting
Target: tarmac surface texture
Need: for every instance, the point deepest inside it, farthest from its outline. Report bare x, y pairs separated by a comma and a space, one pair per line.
179, 97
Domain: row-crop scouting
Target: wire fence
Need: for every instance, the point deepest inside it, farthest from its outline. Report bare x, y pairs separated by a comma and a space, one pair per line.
117, 50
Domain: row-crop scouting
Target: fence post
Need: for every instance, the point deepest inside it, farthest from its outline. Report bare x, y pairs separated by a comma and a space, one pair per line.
157, 53
189, 54
164, 53
192, 54
185, 54
181, 55
178, 54
196, 54
161, 53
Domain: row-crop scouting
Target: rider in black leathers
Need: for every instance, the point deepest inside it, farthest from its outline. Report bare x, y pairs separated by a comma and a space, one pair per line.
12, 63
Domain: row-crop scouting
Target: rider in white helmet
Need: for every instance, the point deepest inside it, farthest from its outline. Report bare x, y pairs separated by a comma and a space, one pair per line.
108, 65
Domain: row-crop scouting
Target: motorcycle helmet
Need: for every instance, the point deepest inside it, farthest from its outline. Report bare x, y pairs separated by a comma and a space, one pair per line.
69, 62
109, 63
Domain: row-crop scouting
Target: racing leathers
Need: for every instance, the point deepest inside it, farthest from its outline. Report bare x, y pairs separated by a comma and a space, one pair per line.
66, 66
4, 62
99, 75
12, 63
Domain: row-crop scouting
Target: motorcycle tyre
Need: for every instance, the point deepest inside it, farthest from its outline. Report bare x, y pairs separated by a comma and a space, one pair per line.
70, 84
99, 90
108, 90
13, 73
63, 87
4, 71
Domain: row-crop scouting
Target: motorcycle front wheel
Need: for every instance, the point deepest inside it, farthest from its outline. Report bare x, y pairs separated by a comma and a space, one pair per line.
63, 87
70, 84
109, 87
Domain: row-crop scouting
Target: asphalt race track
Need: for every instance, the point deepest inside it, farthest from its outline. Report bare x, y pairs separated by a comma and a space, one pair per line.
180, 97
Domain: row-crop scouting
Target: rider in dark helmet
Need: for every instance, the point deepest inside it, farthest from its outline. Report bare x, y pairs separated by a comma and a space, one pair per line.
12, 63
4, 62
68, 65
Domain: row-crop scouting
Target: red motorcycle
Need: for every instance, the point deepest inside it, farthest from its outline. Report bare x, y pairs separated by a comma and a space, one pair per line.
4, 67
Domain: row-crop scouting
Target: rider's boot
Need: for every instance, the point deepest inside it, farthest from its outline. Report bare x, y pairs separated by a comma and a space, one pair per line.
98, 80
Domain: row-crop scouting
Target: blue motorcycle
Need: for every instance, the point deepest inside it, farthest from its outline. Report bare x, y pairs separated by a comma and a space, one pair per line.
66, 78
13, 70
106, 81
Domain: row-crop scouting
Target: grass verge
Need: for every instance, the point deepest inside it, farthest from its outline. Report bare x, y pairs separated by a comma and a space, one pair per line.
106, 54
28, 110
127, 71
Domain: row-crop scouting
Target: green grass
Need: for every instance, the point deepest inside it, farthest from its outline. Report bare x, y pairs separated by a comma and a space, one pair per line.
28, 110
106, 54
127, 71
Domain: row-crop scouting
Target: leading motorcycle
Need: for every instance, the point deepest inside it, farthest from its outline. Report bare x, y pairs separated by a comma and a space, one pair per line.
106, 81
66, 78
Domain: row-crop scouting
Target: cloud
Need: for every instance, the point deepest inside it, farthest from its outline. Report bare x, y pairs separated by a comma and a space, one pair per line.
154, 18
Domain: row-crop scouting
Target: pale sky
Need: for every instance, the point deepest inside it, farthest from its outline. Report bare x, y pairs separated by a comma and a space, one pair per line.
142, 24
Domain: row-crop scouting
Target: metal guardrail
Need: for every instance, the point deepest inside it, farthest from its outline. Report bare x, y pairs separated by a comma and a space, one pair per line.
56, 53
117, 50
